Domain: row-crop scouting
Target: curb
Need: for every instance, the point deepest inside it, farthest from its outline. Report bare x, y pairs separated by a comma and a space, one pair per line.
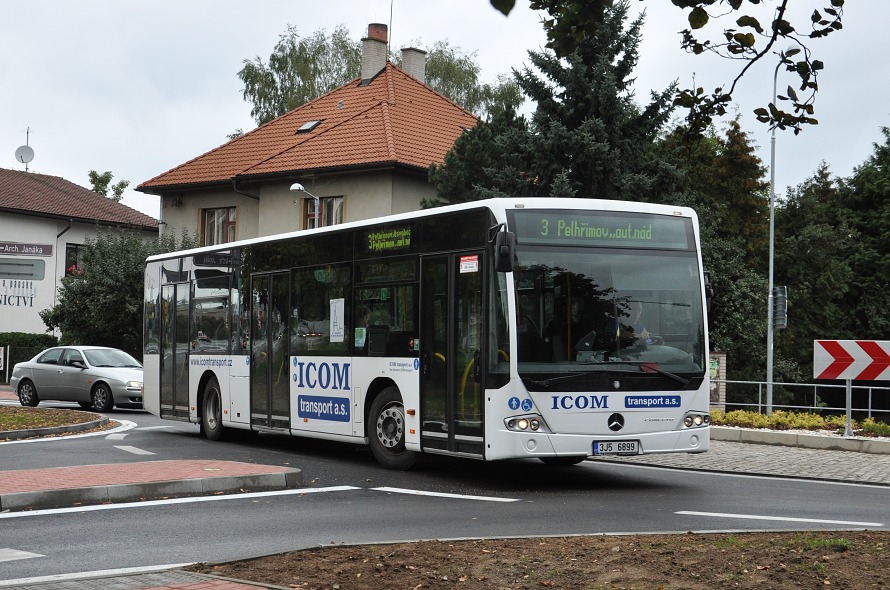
137, 492
32, 432
801, 439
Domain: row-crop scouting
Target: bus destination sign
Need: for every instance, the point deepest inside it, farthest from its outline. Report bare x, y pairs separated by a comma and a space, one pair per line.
602, 228
389, 239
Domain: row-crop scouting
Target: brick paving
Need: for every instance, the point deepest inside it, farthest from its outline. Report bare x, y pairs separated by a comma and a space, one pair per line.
34, 480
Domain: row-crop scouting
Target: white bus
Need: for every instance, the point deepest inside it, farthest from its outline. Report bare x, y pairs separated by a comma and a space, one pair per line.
490, 330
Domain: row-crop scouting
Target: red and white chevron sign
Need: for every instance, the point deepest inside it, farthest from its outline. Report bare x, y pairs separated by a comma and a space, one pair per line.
859, 360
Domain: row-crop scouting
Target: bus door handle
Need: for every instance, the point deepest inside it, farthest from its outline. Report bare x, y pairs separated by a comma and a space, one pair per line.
425, 366
477, 366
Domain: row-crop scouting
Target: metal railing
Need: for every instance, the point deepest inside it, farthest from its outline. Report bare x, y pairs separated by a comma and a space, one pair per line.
863, 394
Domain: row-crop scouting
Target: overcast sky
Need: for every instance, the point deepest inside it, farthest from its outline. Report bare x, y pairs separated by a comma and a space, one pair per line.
137, 87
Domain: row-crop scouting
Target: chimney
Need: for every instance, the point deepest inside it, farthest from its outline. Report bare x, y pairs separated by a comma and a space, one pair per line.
414, 62
374, 51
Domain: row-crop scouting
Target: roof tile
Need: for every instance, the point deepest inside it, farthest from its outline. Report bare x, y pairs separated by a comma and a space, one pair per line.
396, 119
30, 193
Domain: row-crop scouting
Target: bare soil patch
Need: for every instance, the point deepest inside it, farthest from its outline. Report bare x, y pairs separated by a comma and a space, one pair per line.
696, 561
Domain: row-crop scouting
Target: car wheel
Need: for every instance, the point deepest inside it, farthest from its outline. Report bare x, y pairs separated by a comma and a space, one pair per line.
28, 394
211, 415
387, 422
102, 398
85, 405
562, 461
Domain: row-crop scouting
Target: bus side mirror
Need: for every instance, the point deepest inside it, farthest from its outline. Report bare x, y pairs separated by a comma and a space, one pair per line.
504, 247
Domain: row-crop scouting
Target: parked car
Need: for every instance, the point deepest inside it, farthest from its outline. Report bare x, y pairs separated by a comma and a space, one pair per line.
96, 377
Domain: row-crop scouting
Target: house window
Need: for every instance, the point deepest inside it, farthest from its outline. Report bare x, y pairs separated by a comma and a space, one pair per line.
331, 212
74, 258
218, 226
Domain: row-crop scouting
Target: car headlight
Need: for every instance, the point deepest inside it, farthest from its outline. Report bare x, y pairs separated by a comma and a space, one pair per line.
134, 384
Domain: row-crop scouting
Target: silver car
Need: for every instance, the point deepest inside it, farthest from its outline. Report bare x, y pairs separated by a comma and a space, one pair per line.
95, 377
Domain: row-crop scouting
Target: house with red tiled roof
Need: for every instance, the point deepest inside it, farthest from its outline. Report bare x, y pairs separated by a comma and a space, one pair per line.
362, 150
44, 224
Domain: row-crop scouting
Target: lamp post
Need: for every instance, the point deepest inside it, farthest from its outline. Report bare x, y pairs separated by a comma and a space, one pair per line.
299, 188
772, 245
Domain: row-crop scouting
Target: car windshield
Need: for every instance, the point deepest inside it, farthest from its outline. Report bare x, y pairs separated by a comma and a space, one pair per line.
589, 313
110, 357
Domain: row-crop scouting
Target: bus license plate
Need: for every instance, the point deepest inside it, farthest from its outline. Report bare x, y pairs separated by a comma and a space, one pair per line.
617, 447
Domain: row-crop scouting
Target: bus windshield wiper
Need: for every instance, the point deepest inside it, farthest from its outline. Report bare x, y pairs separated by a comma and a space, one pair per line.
552, 380
648, 367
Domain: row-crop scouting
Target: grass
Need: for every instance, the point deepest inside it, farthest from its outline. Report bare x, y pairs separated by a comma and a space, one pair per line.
22, 418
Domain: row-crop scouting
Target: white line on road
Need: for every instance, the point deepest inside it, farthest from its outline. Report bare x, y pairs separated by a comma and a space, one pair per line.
780, 518
117, 436
124, 426
189, 500
134, 450
444, 495
163, 426
15, 554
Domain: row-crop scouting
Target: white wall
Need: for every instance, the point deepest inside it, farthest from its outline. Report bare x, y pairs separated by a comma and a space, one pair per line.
21, 300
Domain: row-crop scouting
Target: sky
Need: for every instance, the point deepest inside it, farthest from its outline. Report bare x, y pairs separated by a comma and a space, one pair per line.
137, 87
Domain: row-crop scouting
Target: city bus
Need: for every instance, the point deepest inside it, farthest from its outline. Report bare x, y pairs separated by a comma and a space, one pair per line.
495, 329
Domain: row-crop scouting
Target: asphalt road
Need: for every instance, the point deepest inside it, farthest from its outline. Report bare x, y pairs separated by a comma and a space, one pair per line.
349, 499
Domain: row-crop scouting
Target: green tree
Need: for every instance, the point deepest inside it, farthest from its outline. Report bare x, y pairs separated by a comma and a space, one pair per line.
101, 183
587, 136
101, 304
813, 254
740, 36
299, 70
302, 69
865, 201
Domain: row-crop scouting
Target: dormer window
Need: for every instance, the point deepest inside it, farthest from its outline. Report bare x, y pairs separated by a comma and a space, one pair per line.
308, 126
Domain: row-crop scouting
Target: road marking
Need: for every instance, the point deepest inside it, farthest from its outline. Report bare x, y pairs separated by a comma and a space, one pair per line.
444, 495
781, 518
124, 426
134, 450
97, 574
117, 436
163, 426
15, 554
168, 501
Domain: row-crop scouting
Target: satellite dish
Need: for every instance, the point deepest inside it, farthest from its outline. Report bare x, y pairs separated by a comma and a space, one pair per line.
24, 154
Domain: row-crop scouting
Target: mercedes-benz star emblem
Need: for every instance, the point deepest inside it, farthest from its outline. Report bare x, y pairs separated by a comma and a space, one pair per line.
616, 422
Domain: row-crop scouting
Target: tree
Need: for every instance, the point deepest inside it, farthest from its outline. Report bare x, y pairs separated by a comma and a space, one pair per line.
746, 40
101, 303
302, 69
101, 184
813, 256
865, 202
299, 70
587, 137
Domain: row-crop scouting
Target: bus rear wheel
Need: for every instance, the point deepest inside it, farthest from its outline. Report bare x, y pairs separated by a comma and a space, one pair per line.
387, 431
211, 414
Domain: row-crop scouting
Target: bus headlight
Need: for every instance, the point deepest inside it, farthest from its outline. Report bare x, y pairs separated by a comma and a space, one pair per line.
696, 420
532, 423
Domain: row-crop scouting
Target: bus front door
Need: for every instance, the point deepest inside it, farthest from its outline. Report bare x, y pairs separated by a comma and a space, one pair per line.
174, 382
451, 353
269, 340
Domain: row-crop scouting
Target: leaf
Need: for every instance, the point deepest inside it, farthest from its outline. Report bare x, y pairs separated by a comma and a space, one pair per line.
505, 6
698, 17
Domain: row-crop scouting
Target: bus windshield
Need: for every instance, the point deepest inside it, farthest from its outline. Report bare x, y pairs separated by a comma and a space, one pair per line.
585, 312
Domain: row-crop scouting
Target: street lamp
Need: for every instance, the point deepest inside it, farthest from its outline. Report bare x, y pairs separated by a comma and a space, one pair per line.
772, 245
299, 188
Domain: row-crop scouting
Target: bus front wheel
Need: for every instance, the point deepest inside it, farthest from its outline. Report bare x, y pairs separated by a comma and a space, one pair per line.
211, 415
387, 431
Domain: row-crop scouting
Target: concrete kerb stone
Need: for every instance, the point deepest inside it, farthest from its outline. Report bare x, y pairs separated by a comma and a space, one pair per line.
135, 492
798, 439
53, 431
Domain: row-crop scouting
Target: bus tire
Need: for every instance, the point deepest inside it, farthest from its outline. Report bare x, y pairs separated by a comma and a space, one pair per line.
386, 422
562, 461
211, 412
